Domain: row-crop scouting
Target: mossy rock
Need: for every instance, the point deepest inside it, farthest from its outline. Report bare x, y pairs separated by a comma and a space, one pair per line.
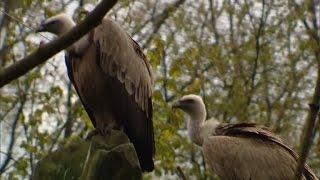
111, 157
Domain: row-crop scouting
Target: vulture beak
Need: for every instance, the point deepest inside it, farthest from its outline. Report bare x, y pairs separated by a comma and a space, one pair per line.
42, 27
176, 104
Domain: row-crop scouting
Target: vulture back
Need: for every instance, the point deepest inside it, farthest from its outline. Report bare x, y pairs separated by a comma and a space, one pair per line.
250, 151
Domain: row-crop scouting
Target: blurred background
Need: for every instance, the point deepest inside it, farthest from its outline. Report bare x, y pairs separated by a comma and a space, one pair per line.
251, 61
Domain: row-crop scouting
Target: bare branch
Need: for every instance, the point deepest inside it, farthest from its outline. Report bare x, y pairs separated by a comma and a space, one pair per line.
4, 20
161, 18
214, 19
191, 81
48, 50
68, 130
311, 121
310, 125
12, 136
183, 176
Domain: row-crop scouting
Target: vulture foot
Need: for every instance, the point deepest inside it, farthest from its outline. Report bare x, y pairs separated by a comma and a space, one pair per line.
104, 132
92, 133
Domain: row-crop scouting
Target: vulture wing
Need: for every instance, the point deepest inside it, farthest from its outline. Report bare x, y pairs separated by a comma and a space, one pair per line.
130, 83
259, 157
68, 61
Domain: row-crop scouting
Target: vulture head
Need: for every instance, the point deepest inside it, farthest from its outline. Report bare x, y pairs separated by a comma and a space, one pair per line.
192, 105
61, 24
198, 128
57, 25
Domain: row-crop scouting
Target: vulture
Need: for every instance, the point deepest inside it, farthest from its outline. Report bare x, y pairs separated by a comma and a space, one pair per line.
239, 151
113, 80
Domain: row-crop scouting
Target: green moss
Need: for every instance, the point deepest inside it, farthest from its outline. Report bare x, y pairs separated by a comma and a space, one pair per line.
111, 157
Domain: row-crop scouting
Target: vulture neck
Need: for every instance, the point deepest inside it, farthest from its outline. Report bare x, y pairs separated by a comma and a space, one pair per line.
67, 25
79, 46
195, 122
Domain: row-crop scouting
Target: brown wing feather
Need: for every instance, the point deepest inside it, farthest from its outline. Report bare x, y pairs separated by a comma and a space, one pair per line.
123, 58
143, 57
258, 132
130, 81
70, 59
245, 158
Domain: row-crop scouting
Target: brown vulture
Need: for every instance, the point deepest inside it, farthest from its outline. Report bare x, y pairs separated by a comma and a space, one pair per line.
239, 151
114, 81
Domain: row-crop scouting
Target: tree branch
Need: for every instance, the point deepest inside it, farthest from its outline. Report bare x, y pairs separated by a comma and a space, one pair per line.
13, 137
311, 121
161, 18
182, 175
68, 130
310, 125
188, 83
48, 50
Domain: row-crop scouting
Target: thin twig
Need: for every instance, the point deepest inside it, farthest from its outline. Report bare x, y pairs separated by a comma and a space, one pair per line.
183, 176
21, 22
311, 120
161, 18
13, 137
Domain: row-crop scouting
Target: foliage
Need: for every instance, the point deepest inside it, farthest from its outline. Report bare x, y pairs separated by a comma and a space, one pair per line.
251, 61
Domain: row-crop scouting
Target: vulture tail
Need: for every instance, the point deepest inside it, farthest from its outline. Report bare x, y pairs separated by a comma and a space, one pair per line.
146, 162
144, 140
146, 150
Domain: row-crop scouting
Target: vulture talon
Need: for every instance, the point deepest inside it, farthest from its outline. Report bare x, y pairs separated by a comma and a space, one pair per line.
106, 131
92, 133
